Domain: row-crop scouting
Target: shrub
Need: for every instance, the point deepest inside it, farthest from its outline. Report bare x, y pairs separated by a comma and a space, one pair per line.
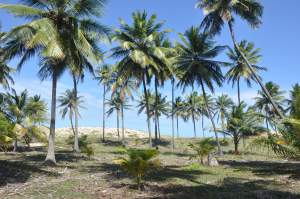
202, 149
139, 163
88, 150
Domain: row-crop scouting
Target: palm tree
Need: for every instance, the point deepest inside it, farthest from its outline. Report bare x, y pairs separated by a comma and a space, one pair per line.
123, 89
36, 109
140, 56
240, 121
219, 12
178, 111
104, 76
63, 33
69, 103
118, 104
265, 107
160, 107
192, 109
195, 60
293, 102
239, 68
202, 109
222, 107
16, 105
5, 71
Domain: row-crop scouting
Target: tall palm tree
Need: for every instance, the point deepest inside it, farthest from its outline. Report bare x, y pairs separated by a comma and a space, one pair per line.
5, 71
118, 104
196, 61
202, 109
140, 56
222, 106
178, 112
104, 77
192, 109
63, 33
265, 107
239, 69
219, 12
123, 88
69, 103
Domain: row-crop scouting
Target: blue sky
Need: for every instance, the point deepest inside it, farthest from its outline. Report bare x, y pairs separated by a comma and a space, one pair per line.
278, 39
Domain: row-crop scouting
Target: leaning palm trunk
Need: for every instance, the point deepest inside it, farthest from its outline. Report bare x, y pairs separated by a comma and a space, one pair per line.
103, 114
239, 91
50, 158
147, 110
202, 126
211, 119
172, 112
15, 144
265, 90
76, 143
158, 127
72, 125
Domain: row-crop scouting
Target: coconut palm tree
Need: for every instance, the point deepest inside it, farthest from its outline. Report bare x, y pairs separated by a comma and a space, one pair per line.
239, 69
5, 71
202, 109
118, 104
265, 107
104, 77
63, 33
140, 56
36, 109
16, 104
220, 12
178, 112
69, 103
241, 120
123, 88
293, 102
192, 109
222, 106
196, 61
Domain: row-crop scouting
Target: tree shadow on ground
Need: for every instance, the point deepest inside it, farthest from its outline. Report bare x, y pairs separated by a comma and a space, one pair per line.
60, 156
231, 188
112, 143
178, 154
115, 172
267, 168
20, 172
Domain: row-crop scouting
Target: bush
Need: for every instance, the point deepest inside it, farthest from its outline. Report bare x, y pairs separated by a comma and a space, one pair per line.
6, 133
202, 149
139, 163
82, 141
88, 150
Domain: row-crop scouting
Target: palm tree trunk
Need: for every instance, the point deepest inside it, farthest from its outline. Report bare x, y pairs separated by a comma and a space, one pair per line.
202, 125
76, 143
118, 125
177, 126
223, 126
239, 91
158, 127
72, 125
50, 158
103, 113
172, 112
156, 102
147, 110
211, 119
15, 144
193, 118
123, 129
155, 130
265, 90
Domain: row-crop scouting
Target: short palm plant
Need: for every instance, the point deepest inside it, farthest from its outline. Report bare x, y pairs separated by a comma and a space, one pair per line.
202, 149
139, 163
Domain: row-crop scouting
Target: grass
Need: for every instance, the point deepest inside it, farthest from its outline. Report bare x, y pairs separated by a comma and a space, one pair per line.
252, 174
